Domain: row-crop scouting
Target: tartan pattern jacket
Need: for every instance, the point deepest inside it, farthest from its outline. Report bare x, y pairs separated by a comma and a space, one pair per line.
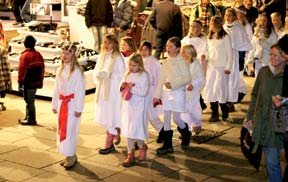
5, 77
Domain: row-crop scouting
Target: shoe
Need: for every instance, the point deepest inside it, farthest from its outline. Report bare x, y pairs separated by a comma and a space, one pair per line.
240, 96
214, 119
160, 137
230, 107
143, 153
197, 130
107, 150
130, 159
64, 162
71, 161
26, 122
227, 119
167, 146
186, 135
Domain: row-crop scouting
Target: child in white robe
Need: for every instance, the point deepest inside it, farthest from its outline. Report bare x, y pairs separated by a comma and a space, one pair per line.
152, 66
127, 48
174, 75
134, 114
68, 102
219, 68
194, 111
108, 74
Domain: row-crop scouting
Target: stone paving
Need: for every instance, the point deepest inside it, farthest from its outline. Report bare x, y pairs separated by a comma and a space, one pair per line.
28, 153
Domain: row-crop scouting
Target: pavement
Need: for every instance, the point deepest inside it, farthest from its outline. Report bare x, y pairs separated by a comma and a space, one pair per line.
29, 153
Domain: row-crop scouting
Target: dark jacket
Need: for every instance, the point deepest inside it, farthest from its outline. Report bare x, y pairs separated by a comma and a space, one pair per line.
31, 69
166, 17
266, 85
98, 13
123, 15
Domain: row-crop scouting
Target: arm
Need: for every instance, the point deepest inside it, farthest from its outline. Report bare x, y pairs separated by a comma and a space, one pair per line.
228, 48
184, 78
22, 69
87, 14
161, 81
55, 98
79, 91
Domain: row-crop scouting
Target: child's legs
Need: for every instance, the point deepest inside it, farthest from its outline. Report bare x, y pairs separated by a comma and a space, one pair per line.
178, 121
140, 143
131, 144
167, 120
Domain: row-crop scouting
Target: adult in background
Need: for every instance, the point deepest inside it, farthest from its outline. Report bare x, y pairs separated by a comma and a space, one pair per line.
31, 71
123, 17
16, 7
26, 13
203, 11
166, 19
98, 17
251, 12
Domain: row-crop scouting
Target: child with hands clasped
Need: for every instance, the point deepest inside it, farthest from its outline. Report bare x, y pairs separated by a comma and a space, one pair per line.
108, 74
152, 66
68, 102
134, 110
174, 75
193, 89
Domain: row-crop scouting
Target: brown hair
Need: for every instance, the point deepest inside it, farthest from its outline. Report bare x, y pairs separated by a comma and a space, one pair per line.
131, 43
218, 21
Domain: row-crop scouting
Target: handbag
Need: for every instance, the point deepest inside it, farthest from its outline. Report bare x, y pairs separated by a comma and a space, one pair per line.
279, 118
125, 90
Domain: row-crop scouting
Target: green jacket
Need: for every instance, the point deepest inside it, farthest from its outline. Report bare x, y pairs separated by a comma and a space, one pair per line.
266, 85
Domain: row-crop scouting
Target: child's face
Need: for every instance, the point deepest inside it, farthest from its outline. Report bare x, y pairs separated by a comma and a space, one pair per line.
108, 45
145, 51
229, 17
185, 55
276, 21
213, 26
240, 15
133, 67
194, 29
124, 46
66, 56
171, 49
262, 22
275, 58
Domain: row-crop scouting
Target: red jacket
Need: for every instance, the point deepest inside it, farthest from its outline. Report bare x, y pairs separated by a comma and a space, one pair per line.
31, 69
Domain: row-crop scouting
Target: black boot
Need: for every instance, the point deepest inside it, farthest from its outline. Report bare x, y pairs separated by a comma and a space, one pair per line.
230, 107
160, 138
225, 112
215, 114
186, 134
202, 103
240, 96
167, 143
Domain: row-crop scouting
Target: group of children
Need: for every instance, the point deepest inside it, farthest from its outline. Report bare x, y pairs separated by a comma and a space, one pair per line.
214, 63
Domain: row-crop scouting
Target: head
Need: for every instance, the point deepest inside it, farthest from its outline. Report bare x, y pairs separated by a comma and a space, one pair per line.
263, 20
29, 42
230, 15
69, 54
145, 48
110, 43
128, 44
276, 58
189, 53
282, 43
215, 27
205, 2
276, 20
195, 28
173, 46
248, 4
136, 63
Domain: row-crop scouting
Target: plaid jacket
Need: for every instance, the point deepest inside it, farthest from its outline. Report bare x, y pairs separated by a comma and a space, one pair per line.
5, 77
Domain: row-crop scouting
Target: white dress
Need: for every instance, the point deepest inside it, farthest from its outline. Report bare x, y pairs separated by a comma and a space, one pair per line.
152, 66
134, 115
108, 112
67, 84
176, 71
194, 111
219, 59
199, 43
240, 42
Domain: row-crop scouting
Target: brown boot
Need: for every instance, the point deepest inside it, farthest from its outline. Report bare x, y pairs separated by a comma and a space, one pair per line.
117, 138
64, 162
109, 147
71, 161
142, 153
130, 159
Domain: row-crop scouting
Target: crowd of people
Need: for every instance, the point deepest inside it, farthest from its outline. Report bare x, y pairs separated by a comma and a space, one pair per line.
134, 87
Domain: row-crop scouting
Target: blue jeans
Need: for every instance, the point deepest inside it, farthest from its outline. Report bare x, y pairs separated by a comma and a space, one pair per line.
25, 12
272, 161
29, 97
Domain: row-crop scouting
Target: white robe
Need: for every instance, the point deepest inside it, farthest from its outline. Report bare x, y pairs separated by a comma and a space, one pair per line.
66, 85
194, 111
108, 112
219, 59
134, 115
240, 42
199, 43
152, 66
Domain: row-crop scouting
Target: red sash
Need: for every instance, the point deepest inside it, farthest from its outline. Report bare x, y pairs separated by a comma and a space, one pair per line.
63, 115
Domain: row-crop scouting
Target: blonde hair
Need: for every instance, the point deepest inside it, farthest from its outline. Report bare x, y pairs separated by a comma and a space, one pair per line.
112, 39
131, 43
199, 26
190, 51
74, 60
137, 58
